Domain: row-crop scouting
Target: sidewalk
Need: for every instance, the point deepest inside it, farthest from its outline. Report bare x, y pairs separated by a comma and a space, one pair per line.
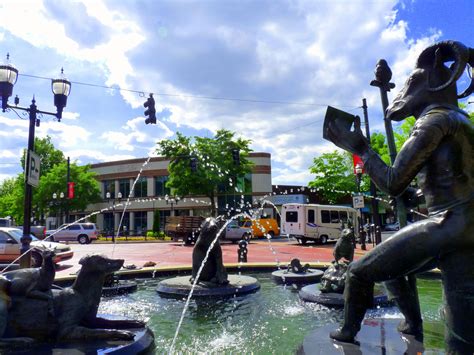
278, 252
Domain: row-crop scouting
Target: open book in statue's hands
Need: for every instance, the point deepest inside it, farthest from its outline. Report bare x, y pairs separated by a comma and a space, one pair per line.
337, 129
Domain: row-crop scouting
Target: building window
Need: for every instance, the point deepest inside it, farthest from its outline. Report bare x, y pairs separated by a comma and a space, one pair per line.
124, 187
160, 186
109, 186
141, 187
140, 222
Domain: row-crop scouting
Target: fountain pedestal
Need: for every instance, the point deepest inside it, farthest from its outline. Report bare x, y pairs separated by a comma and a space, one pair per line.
377, 336
181, 286
289, 277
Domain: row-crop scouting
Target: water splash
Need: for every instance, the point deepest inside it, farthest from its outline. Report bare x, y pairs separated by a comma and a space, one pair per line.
196, 280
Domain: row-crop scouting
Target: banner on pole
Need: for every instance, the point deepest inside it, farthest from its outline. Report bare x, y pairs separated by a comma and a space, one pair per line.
70, 190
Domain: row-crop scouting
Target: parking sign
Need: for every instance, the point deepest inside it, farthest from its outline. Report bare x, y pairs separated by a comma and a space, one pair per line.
358, 201
34, 169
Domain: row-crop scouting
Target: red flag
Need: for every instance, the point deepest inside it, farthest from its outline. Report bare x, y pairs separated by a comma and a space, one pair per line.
70, 190
357, 161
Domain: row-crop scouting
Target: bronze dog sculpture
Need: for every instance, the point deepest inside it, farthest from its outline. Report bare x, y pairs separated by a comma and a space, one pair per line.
439, 151
75, 315
213, 272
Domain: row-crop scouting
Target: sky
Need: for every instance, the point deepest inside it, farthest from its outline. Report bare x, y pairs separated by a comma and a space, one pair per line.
266, 70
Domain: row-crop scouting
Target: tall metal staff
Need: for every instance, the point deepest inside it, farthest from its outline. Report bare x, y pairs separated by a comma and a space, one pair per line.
383, 75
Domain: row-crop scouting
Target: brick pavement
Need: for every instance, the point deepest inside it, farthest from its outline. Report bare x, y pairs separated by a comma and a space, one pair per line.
164, 254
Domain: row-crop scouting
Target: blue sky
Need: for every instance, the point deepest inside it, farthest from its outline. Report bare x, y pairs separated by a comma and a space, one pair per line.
304, 54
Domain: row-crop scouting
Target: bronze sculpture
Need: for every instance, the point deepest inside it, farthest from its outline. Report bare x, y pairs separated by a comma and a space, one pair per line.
75, 309
439, 152
334, 278
213, 272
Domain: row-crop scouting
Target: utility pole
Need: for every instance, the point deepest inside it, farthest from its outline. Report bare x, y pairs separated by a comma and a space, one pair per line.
373, 189
383, 75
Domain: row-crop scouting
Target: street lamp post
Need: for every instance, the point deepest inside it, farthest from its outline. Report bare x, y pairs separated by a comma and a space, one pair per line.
359, 170
172, 200
58, 204
109, 197
61, 89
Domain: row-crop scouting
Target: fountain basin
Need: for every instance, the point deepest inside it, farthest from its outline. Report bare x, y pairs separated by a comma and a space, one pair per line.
274, 319
180, 286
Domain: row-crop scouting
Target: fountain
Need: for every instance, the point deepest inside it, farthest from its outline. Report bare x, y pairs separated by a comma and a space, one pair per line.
261, 322
209, 276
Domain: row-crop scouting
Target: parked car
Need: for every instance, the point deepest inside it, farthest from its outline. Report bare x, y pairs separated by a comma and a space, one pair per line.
262, 227
235, 232
394, 226
84, 233
10, 245
38, 231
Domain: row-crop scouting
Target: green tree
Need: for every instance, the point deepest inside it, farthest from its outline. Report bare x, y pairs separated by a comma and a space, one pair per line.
49, 155
215, 164
11, 198
335, 178
86, 188
156, 221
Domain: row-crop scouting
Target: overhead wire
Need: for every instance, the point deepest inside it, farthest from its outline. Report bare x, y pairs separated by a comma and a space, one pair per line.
200, 97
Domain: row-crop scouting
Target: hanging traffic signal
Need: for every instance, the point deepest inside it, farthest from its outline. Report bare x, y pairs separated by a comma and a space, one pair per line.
150, 110
236, 156
193, 163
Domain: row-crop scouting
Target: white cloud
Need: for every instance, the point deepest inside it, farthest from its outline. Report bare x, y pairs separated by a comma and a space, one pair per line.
308, 52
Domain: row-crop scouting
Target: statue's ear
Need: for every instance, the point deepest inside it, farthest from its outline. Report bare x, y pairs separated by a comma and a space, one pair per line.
84, 259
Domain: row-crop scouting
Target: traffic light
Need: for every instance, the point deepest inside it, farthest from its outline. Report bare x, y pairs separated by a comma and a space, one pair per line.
236, 156
193, 163
150, 110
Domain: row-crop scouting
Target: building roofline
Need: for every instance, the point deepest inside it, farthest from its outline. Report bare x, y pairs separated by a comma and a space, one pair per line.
157, 159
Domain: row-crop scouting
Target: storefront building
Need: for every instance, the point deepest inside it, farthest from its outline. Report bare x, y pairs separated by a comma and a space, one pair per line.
143, 184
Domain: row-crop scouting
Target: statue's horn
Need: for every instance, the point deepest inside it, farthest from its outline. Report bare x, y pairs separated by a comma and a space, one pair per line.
450, 50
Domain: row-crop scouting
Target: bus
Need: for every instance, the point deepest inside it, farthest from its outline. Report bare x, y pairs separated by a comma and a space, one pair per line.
318, 223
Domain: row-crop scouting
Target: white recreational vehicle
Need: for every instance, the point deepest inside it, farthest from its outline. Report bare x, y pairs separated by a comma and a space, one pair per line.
316, 222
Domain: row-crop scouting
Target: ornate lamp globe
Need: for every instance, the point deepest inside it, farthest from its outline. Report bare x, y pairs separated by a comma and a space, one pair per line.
61, 89
8, 77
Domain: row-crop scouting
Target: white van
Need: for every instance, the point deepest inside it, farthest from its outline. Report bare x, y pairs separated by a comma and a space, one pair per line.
316, 222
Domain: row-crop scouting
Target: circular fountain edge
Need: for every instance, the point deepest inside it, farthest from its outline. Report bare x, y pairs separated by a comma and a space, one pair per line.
180, 286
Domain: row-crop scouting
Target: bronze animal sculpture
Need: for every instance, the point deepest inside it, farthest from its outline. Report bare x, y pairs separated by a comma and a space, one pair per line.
35, 282
296, 267
213, 272
344, 248
440, 152
75, 316
334, 278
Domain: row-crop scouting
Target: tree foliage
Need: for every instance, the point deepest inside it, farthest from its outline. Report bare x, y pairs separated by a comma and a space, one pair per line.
335, 179
49, 155
215, 164
86, 189
52, 180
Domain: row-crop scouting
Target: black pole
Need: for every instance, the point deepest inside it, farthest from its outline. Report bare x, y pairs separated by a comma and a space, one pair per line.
373, 189
25, 260
383, 74
68, 177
